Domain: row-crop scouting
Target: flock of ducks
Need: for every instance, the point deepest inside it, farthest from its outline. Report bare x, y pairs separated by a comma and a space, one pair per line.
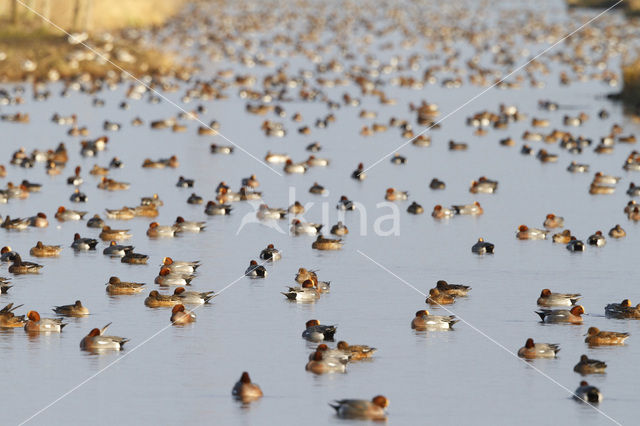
275, 97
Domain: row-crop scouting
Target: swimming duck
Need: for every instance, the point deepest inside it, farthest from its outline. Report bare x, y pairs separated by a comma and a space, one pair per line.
468, 209
345, 204
602, 179
31, 186
440, 212
83, 244
180, 266
356, 352
317, 189
157, 300
596, 189
547, 298
296, 208
398, 159
166, 278
483, 186
255, 271
328, 353
290, 167
246, 391
415, 208
573, 315
95, 222
213, 209
424, 321
76, 179
116, 250
78, 197
8, 319
315, 332
303, 274
270, 254
578, 168
305, 293
575, 245
339, 229
436, 184
265, 212
156, 230
161, 163
39, 220
589, 366
361, 409
322, 243
617, 232
37, 324
4, 286
251, 182
17, 224
194, 199
108, 234
597, 239
314, 161
563, 237
455, 290
115, 163
98, 171
622, 310
395, 195
63, 214
595, 337
23, 267
40, 250
188, 226
436, 297
193, 297
180, 316
553, 221
96, 341
134, 258
154, 200
6, 254
74, 310
320, 365
482, 247
221, 149
276, 158
359, 174
184, 183
587, 393
533, 350
300, 228
458, 146
112, 185
115, 286
525, 233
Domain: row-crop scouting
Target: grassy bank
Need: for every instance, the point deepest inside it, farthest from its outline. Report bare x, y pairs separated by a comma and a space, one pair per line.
29, 48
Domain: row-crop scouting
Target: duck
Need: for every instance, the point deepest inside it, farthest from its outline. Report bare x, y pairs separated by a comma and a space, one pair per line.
563, 237
180, 266
265, 213
41, 250
39, 220
116, 250
8, 319
548, 299
458, 146
314, 161
296, 208
276, 158
154, 200
184, 183
78, 197
578, 168
398, 159
6, 254
483, 186
112, 185
298, 168
303, 274
134, 258
63, 214
572, 316
98, 171
437, 184
188, 226
317, 189
415, 208
526, 233
180, 316
194, 199
425, 321
320, 365
74, 310
602, 179
358, 173
270, 253
213, 209
455, 290
345, 204
575, 245
356, 352
117, 287
251, 182
440, 212
109, 234
97, 341
597, 239
468, 209
155, 230
116, 163
436, 297
31, 186
552, 221
304, 228
255, 271
333, 354
622, 310
588, 393
17, 224
193, 297
246, 391
617, 232
95, 222
316, 332
37, 324
395, 195
339, 229
482, 247
221, 149
589, 366
157, 300
83, 244
595, 337
22, 267
595, 189
305, 293
322, 243
533, 350
361, 409
144, 211
166, 278
76, 179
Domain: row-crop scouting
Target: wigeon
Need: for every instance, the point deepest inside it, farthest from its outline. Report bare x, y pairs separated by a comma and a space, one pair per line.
193, 297
320, 365
533, 350
316, 332
361, 409
440, 212
41, 250
339, 229
255, 271
425, 321
74, 310
83, 244
589, 366
595, 337
436, 297
547, 298
155, 230
97, 341
356, 352
157, 300
322, 243
117, 287
180, 316
526, 233
553, 221
8, 319
37, 324
23, 267
572, 316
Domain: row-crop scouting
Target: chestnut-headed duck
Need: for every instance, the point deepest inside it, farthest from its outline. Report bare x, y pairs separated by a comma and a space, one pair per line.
436, 297
180, 316
345, 204
440, 212
115, 287
617, 232
339, 229
255, 271
6, 254
251, 182
322, 243
316, 332
153, 200
482, 247
455, 290
193, 297
97, 341
468, 209
526, 150
194, 199
547, 298
112, 185
246, 391
317, 189
63, 214
622, 310
39, 220
134, 258
290, 167
589, 366
155, 230
74, 310
361, 409
41, 250
157, 300
587, 393
356, 352
37, 324
83, 244
327, 353
575, 245
305, 293
437, 184
395, 195
526, 233
213, 209
109, 234
483, 186
270, 253
296, 208
553, 221
424, 321
95, 222
304, 228
595, 337
116, 250
166, 277
358, 173
23, 267
533, 350
8, 319
265, 213
320, 365
188, 226
602, 179
415, 208
578, 168
597, 239
572, 316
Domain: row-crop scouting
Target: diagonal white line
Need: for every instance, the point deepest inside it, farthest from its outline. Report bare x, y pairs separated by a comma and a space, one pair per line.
408, 141
500, 345
126, 354
147, 86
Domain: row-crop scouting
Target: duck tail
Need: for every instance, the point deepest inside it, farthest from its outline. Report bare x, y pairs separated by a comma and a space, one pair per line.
542, 314
336, 406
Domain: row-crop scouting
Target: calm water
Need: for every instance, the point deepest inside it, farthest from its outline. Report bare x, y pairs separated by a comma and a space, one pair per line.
185, 374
